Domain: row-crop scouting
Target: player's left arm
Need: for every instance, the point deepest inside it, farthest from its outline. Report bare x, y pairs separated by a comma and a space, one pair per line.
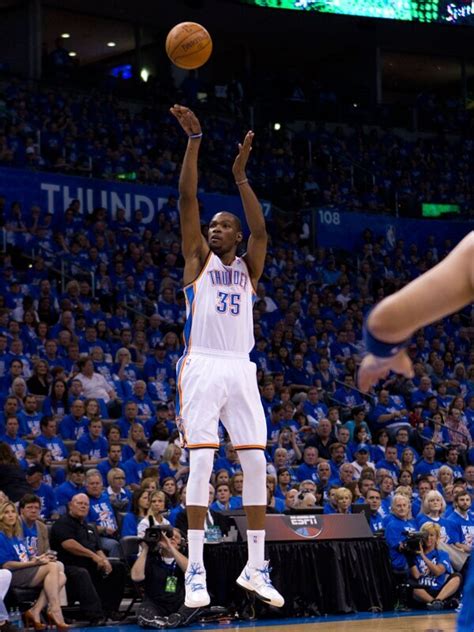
257, 243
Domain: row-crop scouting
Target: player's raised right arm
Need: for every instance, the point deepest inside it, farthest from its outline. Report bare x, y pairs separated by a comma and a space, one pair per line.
193, 243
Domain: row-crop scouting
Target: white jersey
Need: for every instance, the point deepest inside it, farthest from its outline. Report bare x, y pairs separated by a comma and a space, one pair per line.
219, 303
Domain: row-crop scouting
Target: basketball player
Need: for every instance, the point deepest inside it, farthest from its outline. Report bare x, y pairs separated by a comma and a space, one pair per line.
215, 378
444, 289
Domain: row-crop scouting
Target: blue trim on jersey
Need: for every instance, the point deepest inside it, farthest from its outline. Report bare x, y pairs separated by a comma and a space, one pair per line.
177, 405
189, 293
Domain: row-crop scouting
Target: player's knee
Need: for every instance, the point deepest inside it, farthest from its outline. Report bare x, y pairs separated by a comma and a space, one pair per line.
254, 467
197, 490
253, 463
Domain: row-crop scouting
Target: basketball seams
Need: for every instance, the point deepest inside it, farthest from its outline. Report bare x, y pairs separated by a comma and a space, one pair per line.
180, 58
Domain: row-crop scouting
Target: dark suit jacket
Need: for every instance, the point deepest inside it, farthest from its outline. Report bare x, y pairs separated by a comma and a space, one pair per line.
219, 520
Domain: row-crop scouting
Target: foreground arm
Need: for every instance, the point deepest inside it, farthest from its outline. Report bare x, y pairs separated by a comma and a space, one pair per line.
444, 289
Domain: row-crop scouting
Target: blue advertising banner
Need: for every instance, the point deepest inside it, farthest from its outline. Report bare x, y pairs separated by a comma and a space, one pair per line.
53, 193
339, 229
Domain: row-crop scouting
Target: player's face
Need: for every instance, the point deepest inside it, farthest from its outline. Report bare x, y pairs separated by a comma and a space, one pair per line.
223, 235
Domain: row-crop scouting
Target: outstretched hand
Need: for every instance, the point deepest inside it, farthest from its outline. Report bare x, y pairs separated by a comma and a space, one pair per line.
372, 369
240, 162
187, 119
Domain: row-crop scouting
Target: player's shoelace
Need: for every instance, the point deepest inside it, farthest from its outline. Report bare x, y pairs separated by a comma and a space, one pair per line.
265, 575
191, 575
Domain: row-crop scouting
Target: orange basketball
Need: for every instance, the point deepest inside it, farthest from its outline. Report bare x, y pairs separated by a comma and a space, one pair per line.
188, 45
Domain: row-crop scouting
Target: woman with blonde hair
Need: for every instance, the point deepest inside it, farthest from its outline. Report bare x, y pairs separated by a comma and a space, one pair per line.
126, 371
29, 572
171, 466
407, 460
343, 500
405, 490
432, 510
19, 389
136, 433
150, 483
445, 478
436, 581
155, 514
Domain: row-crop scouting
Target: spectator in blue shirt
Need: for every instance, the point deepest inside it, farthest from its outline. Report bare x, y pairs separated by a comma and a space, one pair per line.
74, 425
309, 468
119, 496
13, 439
130, 416
49, 506
330, 505
229, 462
390, 462
452, 461
269, 400
29, 418
158, 368
92, 444
313, 408
134, 467
14, 553
374, 500
433, 508
73, 485
347, 396
461, 522
224, 501
114, 460
180, 508
433, 572
424, 391
102, 514
146, 407
57, 403
298, 377
338, 457
402, 438
397, 528
139, 510
49, 439
387, 413
10, 409
427, 465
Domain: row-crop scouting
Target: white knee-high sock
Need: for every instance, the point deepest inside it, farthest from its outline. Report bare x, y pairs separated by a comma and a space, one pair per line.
256, 548
195, 547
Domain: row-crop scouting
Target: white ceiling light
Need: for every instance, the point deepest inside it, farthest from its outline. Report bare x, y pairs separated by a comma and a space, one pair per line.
144, 74
111, 44
65, 35
72, 53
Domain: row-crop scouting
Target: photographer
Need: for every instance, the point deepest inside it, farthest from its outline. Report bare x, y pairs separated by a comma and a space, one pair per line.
433, 572
397, 529
161, 566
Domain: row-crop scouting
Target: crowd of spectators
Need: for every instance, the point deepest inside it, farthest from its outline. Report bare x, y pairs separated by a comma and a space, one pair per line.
99, 136
88, 386
87, 372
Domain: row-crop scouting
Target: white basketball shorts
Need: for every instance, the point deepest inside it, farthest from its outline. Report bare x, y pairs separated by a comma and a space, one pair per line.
212, 387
